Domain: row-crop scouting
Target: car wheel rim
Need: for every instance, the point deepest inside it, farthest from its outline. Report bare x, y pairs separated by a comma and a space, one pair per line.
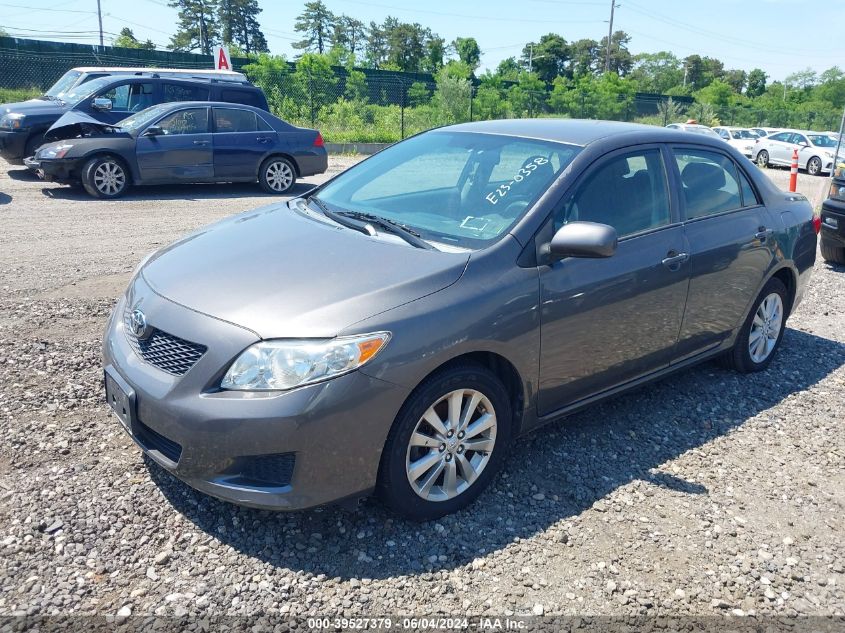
109, 178
279, 176
765, 328
451, 445
813, 167
762, 158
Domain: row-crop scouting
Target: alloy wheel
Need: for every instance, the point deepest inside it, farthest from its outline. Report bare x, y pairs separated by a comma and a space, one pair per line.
763, 158
451, 445
279, 176
814, 166
765, 328
109, 178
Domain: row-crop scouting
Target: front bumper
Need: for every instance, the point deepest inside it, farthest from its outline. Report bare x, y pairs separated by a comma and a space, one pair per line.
13, 143
53, 170
833, 222
332, 433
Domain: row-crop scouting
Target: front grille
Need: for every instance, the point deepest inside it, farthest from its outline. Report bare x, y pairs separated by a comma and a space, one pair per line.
155, 441
165, 351
263, 470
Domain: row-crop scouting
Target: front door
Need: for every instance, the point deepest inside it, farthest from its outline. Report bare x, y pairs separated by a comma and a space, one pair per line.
126, 98
731, 242
182, 152
608, 321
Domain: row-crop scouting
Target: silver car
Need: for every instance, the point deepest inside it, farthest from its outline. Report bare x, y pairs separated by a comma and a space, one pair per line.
815, 150
397, 329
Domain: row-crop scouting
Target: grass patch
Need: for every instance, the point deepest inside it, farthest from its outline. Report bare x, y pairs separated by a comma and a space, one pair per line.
11, 95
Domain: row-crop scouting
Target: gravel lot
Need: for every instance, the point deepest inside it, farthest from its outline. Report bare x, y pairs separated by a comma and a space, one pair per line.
706, 493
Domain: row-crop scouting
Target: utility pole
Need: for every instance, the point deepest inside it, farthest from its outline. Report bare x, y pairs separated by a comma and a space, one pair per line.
100, 18
530, 57
609, 36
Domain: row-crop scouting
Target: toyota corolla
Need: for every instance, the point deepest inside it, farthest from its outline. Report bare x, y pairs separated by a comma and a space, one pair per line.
396, 330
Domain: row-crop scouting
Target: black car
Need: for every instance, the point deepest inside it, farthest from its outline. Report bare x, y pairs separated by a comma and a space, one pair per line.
832, 242
185, 142
108, 100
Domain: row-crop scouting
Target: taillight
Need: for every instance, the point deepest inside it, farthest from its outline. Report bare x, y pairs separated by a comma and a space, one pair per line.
318, 142
817, 223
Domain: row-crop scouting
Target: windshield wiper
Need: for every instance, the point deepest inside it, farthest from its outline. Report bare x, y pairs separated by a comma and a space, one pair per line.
336, 217
391, 226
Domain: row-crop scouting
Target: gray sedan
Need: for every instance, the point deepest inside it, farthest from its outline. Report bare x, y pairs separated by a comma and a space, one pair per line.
398, 328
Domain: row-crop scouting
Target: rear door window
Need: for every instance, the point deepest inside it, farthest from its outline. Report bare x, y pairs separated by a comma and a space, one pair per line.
228, 120
246, 97
710, 184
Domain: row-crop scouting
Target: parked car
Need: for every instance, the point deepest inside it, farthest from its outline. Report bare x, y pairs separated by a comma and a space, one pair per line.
815, 150
764, 131
694, 128
832, 237
739, 137
183, 142
400, 326
110, 99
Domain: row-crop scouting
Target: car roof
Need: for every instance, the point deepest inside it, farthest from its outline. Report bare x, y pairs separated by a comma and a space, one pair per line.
191, 81
572, 131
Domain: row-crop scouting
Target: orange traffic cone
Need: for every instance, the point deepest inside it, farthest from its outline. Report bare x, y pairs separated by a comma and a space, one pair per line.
793, 172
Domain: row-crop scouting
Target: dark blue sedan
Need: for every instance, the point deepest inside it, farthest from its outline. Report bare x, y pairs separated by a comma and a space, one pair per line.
185, 142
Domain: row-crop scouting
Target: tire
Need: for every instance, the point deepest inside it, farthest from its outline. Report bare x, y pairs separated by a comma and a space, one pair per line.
763, 158
105, 177
277, 175
32, 145
759, 326
431, 496
814, 166
834, 254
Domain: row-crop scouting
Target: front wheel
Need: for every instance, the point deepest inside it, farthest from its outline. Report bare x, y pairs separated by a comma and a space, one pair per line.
835, 254
105, 177
762, 332
814, 166
763, 158
277, 175
446, 444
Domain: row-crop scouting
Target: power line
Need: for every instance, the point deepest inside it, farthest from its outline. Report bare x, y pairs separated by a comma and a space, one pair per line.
464, 15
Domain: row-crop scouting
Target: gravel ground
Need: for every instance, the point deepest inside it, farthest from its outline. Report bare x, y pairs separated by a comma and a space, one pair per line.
706, 493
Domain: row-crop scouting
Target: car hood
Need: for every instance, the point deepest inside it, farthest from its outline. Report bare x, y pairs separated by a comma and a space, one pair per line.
33, 107
74, 123
282, 274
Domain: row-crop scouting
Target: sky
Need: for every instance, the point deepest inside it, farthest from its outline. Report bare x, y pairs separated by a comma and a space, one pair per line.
779, 36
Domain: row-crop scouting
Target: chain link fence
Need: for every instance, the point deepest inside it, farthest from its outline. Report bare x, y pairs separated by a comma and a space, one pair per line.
366, 105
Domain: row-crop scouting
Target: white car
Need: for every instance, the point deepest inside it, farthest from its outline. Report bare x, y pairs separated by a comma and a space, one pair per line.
740, 137
694, 128
815, 150
764, 131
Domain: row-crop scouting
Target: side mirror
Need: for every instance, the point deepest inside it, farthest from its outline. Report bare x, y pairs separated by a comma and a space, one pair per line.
102, 104
583, 239
153, 130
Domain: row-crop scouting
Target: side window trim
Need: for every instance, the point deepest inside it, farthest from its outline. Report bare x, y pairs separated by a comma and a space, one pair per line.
742, 174
214, 120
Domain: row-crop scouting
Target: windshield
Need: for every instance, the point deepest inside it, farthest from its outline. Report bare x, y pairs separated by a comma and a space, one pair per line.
85, 90
141, 119
459, 188
822, 140
743, 134
63, 84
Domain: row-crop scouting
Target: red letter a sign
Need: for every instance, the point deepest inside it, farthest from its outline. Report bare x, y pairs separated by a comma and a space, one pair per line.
221, 58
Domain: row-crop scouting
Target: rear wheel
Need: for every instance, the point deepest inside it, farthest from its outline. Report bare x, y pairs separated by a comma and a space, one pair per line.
835, 254
105, 177
814, 166
277, 175
763, 158
446, 444
762, 331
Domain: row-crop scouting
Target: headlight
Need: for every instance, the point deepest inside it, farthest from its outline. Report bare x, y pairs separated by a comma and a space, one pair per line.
837, 191
55, 151
285, 364
12, 121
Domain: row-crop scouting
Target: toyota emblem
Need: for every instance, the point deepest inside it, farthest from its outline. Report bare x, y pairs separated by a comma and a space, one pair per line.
138, 324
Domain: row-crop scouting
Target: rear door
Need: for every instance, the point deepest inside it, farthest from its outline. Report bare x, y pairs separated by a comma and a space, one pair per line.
241, 141
608, 321
730, 237
183, 153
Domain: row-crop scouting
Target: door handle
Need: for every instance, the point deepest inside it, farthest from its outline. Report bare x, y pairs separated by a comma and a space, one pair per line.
201, 142
263, 139
762, 233
672, 260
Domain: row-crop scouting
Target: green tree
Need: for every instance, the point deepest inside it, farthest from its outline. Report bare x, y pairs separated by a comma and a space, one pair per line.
127, 39
756, 83
528, 96
435, 51
736, 79
490, 100
239, 25
376, 46
803, 79
316, 24
719, 94
349, 35
548, 58
315, 80
670, 110
197, 29
418, 94
406, 45
356, 85
620, 57
468, 51
657, 72
508, 69
585, 57
271, 73
453, 92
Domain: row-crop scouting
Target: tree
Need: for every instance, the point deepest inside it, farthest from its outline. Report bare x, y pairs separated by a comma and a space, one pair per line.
435, 50
548, 58
508, 69
702, 71
356, 85
406, 46
756, 83
736, 79
376, 45
316, 81
127, 39
802, 79
418, 94
316, 23
719, 94
585, 57
528, 96
197, 28
270, 73
453, 92
468, 51
657, 72
670, 110
620, 57
349, 35
239, 25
